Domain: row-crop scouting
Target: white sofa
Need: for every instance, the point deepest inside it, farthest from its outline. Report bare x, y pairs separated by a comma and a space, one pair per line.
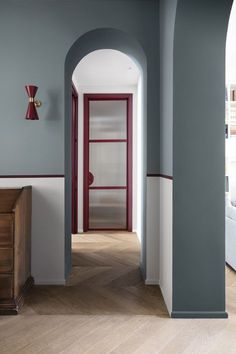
230, 234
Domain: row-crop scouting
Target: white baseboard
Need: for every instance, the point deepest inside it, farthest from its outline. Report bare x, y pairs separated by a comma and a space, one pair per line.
50, 282
152, 282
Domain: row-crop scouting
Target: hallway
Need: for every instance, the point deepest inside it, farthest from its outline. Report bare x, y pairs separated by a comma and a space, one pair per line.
107, 278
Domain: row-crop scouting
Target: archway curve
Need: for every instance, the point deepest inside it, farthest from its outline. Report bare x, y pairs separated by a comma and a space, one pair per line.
102, 38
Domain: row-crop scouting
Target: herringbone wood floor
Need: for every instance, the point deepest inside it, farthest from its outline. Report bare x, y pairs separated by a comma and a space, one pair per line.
106, 308
107, 278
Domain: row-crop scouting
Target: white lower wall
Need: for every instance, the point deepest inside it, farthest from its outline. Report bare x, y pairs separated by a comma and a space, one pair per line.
232, 181
153, 231
230, 151
48, 235
159, 236
166, 243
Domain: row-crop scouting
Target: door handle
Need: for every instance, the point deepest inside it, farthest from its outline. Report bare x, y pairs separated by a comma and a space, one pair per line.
90, 178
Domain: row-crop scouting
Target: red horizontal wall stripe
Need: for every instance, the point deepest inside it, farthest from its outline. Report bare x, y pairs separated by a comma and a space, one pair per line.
107, 140
109, 229
62, 176
32, 176
159, 175
108, 96
105, 187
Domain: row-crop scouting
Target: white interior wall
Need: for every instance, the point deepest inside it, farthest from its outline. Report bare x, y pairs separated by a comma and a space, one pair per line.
139, 164
231, 167
153, 231
166, 256
48, 229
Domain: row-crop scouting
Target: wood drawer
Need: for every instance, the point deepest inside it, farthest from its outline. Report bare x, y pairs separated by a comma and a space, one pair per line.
6, 229
6, 260
6, 286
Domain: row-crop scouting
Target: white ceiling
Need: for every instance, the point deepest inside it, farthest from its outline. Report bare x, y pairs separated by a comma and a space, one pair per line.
231, 48
106, 67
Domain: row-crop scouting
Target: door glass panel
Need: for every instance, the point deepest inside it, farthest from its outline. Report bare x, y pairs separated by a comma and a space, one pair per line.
107, 119
107, 163
107, 209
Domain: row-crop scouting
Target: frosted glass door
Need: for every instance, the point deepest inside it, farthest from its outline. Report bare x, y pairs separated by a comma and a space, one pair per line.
107, 150
107, 163
107, 209
108, 119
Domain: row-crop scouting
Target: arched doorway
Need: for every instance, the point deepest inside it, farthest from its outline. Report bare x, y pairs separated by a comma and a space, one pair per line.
91, 41
109, 82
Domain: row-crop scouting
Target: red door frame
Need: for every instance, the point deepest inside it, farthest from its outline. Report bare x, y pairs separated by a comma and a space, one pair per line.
74, 162
108, 97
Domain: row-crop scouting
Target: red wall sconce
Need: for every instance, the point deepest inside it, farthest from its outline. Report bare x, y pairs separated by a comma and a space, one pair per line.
32, 113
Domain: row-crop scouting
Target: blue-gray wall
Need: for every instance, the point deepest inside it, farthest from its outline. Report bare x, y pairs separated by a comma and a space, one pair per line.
198, 158
167, 27
35, 38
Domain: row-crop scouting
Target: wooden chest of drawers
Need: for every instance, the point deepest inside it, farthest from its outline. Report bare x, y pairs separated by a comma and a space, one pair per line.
15, 248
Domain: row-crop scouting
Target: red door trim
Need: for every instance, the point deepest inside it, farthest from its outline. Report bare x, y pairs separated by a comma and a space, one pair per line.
108, 187
129, 161
74, 162
106, 97
86, 164
107, 140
